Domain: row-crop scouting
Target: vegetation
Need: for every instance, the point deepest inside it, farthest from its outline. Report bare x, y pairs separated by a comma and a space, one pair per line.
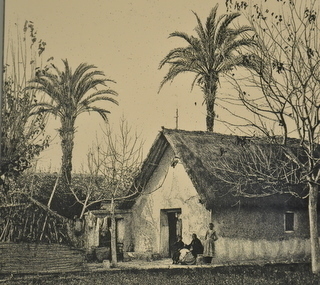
257, 168
113, 164
284, 74
209, 55
32, 215
23, 216
71, 94
31, 208
22, 135
260, 275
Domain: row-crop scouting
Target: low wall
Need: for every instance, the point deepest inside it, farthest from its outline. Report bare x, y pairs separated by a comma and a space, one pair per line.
237, 250
40, 258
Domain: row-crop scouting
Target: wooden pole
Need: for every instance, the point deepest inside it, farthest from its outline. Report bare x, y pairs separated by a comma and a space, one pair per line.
49, 204
177, 118
2, 13
54, 189
2, 17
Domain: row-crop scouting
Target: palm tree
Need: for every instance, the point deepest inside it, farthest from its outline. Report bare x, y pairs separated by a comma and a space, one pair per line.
211, 53
71, 94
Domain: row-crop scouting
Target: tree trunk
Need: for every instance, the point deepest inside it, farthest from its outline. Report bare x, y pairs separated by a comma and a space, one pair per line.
210, 115
313, 221
113, 235
210, 96
84, 206
67, 143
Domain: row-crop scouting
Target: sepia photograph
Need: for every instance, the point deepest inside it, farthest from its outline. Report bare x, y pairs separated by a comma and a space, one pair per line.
160, 142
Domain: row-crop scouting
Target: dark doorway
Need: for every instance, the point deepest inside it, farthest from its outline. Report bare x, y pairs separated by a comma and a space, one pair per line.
170, 227
175, 229
172, 221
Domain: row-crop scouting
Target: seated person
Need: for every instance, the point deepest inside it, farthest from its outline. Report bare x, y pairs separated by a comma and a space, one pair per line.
195, 246
186, 257
175, 249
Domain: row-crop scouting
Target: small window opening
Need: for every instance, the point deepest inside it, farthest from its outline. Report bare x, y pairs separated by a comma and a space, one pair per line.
289, 221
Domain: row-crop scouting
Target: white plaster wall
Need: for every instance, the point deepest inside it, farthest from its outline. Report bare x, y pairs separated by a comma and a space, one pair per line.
235, 250
172, 188
168, 188
259, 234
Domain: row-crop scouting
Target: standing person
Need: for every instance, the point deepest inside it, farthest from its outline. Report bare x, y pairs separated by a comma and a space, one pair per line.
179, 244
209, 247
195, 246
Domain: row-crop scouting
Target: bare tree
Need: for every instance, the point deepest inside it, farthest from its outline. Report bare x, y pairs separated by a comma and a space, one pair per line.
284, 95
113, 164
256, 168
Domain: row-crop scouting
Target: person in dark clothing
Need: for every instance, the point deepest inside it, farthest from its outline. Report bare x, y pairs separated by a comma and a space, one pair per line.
195, 246
176, 250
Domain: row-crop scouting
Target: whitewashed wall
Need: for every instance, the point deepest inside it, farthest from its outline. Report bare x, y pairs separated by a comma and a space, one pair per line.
168, 188
171, 188
244, 250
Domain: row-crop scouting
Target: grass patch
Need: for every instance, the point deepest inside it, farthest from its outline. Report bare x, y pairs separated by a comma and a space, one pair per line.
267, 274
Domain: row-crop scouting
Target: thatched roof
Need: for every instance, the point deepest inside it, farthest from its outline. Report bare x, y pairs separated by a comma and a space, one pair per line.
200, 153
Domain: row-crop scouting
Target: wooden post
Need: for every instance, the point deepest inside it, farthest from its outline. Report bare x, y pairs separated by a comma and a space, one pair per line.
2, 14
49, 204
177, 118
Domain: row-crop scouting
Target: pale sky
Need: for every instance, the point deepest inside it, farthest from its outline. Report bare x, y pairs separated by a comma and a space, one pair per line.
126, 40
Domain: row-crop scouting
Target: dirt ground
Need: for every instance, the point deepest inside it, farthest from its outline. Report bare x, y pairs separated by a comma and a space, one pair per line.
142, 264
165, 263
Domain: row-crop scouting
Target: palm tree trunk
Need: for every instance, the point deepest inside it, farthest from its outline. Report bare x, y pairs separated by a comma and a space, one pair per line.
210, 100
313, 221
210, 115
67, 143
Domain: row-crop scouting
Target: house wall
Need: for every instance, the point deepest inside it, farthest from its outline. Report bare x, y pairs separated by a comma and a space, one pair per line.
259, 234
169, 188
94, 223
245, 234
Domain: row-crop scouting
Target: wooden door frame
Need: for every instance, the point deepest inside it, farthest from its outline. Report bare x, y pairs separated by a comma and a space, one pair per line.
164, 230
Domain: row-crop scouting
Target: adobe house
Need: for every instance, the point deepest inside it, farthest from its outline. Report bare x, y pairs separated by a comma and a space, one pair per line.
179, 194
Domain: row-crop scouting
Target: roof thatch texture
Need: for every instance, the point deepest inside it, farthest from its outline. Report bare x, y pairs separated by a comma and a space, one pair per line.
217, 166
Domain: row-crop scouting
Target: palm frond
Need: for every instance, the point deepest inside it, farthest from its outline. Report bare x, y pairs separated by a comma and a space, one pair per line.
67, 70
237, 32
174, 70
179, 53
199, 29
82, 69
222, 26
102, 112
41, 108
82, 75
195, 80
89, 101
211, 21
238, 44
102, 92
66, 89
48, 89
228, 63
192, 41
85, 87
